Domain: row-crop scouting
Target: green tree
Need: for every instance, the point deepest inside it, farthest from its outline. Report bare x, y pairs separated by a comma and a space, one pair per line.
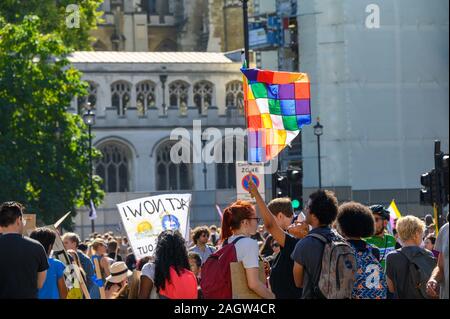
59, 17
44, 152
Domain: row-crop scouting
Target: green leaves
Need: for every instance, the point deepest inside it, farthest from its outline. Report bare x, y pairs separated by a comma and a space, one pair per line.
55, 16
44, 151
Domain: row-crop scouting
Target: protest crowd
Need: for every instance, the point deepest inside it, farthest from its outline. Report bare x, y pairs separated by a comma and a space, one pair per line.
329, 251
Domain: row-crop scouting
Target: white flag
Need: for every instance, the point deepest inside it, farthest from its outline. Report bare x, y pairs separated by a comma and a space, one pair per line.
92, 212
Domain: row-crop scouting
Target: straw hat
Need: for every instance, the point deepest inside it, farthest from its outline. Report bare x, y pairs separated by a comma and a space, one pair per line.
119, 272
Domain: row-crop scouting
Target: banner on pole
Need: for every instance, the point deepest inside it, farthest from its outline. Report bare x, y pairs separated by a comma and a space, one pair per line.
145, 218
243, 170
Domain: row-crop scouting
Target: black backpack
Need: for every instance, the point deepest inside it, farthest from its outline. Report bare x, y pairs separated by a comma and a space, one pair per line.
421, 265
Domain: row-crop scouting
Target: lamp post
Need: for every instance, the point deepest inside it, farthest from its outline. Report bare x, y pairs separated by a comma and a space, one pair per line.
89, 120
163, 79
205, 171
246, 37
318, 131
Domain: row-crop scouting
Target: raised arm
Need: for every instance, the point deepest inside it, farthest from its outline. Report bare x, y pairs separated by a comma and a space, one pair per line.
269, 219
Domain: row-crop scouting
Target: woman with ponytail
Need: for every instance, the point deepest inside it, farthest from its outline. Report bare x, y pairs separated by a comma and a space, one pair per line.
240, 220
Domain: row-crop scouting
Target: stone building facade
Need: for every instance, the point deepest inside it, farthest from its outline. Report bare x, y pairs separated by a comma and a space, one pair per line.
139, 99
170, 25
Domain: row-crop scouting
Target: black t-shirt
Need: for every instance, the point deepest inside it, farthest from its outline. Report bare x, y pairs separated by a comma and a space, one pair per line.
281, 276
361, 245
21, 259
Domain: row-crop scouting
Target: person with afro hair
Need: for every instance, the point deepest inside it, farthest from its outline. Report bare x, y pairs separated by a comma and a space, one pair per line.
355, 221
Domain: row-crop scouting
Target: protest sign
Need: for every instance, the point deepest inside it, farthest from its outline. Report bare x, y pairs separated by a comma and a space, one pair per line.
245, 171
239, 284
72, 273
60, 221
145, 218
30, 224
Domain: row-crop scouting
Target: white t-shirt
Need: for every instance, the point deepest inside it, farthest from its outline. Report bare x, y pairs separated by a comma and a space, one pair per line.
149, 271
247, 251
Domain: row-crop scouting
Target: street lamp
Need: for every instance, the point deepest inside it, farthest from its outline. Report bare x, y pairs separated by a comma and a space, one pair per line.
205, 171
246, 35
318, 131
89, 120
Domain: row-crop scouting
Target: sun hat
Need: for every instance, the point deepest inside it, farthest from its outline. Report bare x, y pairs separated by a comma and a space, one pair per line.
119, 272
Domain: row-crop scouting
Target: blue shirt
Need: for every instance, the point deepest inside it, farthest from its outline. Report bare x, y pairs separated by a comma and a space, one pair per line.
88, 268
308, 253
54, 273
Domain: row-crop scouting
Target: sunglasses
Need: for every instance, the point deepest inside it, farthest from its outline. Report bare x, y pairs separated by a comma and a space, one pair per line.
275, 245
258, 220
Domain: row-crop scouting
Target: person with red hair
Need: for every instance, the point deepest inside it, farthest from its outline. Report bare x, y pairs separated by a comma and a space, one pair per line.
240, 221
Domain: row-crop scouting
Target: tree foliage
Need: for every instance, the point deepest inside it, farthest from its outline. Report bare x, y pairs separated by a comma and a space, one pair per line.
44, 150
58, 16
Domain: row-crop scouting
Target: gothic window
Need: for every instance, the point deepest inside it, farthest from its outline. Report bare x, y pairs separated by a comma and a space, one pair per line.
114, 167
235, 96
171, 176
120, 96
178, 95
91, 97
203, 92
145, 96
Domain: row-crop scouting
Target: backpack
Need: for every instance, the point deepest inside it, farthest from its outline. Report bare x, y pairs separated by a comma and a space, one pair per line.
370, 280
421, 265
215, 281
182, 286
337, 272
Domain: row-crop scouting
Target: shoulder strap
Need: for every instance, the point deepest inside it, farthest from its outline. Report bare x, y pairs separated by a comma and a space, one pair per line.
319, 237
404, 254
237, 239
234, 241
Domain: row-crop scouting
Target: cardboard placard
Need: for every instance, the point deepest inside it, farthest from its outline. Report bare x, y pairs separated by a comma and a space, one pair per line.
239, 281
98, 273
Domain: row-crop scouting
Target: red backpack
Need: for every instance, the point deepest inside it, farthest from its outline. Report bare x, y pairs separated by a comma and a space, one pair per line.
216, 276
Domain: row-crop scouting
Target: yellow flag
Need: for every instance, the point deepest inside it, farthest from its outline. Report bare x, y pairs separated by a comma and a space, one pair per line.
393, 210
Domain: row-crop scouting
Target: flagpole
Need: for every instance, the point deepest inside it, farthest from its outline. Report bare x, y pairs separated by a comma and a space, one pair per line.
246, 38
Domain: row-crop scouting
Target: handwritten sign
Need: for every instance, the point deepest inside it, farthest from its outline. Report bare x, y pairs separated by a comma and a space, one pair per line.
145, 218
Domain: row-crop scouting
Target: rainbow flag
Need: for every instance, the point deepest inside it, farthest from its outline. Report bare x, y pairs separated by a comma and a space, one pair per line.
277, 105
